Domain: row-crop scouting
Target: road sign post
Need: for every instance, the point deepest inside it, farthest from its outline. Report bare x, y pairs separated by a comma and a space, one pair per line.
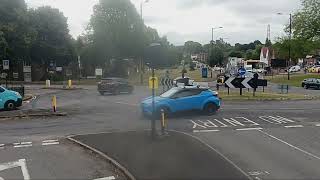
153, 122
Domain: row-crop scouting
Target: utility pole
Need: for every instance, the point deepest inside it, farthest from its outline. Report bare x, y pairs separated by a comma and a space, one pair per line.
290, 36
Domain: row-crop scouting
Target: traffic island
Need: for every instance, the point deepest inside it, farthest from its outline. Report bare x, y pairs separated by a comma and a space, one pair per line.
19, 114
175, 156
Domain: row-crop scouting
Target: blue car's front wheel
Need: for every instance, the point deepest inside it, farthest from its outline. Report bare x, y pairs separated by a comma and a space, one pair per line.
210, 109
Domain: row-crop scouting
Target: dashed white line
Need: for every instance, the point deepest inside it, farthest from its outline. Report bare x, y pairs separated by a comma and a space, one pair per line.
205, 131
290, 145
248, 129
21, 146
106, 178
294, 126
50, 143
318, 125
2, 146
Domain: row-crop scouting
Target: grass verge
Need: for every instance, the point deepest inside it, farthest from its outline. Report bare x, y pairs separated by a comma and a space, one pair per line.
295, 79
260, 96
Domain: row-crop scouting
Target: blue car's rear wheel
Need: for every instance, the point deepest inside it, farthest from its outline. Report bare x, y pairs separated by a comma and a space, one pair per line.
210, 109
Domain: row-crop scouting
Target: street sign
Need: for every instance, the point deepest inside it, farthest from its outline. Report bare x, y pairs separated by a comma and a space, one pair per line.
233, 82
6, 64
242, 71
153, 83
166, 82
204, 72
98, 72
27, 69
15, 75
59, 69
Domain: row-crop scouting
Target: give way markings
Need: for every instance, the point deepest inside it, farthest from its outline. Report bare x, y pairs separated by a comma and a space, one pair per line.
21, 163
241, 123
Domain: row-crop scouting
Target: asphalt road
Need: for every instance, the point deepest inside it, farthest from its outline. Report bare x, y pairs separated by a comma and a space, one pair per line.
268, 140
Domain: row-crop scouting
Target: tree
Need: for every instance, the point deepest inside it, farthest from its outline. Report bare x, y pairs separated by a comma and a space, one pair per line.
306, 24
191, 47
16, 36
216, 57
53, 42
237, 54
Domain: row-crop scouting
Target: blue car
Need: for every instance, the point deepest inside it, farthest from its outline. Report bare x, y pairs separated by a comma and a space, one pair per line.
9, 100
180, 99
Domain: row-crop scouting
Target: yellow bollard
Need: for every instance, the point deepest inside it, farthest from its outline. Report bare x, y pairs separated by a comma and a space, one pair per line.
54, 103
163, 124
69, 83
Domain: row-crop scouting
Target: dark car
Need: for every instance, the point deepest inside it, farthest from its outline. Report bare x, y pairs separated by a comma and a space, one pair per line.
311, 83
114, 86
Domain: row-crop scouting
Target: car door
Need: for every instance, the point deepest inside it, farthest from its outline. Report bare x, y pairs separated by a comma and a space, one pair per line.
2, 98
187, 99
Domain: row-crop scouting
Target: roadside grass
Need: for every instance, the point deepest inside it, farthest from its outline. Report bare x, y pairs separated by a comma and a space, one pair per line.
260, 96
295, 79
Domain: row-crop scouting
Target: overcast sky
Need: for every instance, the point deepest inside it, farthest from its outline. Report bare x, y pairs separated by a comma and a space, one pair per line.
243, 21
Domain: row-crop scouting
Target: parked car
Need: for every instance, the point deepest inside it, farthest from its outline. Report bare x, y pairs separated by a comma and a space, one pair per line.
9, 100
180, 99
295, 69
114, 86
311, 83
314, 69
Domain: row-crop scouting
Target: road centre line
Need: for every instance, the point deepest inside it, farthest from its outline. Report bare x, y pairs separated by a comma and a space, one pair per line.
21, 146
205, 131
294, 126
249, 129
290, 145
318, 125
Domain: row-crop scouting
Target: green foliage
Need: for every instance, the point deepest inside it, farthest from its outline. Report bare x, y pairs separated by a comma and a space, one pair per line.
237, 54
306, 24
191, 47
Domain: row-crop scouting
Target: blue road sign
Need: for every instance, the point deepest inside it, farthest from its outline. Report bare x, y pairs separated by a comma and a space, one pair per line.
242, 71
204, 72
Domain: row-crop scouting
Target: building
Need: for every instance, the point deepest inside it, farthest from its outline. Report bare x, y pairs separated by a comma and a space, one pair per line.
266, 55
201, 57
312, 60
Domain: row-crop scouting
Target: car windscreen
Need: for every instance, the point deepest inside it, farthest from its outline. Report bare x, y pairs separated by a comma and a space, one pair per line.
169, 93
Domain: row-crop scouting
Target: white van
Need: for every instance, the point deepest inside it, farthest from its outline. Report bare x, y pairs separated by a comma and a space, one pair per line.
295, 69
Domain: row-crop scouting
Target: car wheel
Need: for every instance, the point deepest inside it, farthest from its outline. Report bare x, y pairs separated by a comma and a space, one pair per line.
10, 105
101, 93
210, 109
306, 86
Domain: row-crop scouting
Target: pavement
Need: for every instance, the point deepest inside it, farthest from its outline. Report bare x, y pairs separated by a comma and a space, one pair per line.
267, 140
170, 157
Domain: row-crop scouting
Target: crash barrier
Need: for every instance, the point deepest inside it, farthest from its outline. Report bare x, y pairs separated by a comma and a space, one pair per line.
284, 88
19, 89
54, 103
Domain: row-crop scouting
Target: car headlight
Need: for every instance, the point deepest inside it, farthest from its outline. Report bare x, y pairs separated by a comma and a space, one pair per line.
16, 93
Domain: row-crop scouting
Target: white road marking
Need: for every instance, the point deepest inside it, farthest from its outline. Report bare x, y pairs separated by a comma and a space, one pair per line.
50, 143
204, 131
20, 163
129, 104
248, 129
21, 146
318, 125
292, 146
294, 126
106, 178
1, 147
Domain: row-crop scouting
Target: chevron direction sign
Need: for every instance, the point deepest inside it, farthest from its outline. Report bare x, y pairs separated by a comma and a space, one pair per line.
166, 82
234, 82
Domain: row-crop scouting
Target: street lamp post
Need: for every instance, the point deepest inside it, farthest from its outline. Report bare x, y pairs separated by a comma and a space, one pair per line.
290, 37
212, 38
141, 67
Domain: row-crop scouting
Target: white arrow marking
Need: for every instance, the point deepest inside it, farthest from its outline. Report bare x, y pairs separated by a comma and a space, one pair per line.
245, 82
228, 82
